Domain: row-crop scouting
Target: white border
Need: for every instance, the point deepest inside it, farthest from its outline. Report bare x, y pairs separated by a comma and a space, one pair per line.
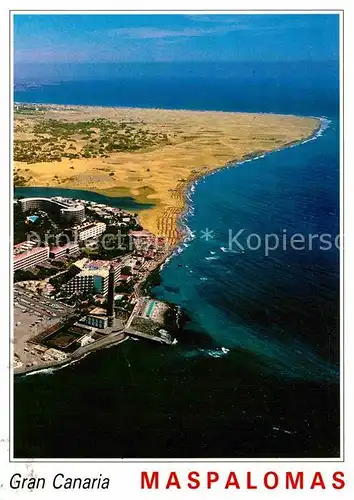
342, 302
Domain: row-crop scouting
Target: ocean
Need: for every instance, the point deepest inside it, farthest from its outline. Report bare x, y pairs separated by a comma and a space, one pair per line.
256, 371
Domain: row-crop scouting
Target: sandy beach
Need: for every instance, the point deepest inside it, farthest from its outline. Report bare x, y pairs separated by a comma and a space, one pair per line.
198, 143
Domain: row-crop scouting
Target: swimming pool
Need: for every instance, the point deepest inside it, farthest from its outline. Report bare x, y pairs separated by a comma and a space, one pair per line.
150, 309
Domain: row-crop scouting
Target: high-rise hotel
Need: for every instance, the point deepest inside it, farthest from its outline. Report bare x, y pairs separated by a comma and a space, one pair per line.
26, 255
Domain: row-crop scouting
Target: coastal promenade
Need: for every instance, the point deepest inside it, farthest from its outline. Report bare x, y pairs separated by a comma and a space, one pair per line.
114, 338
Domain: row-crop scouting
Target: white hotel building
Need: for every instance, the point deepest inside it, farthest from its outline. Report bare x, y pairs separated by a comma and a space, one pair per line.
64, 208
88, 230
26, 255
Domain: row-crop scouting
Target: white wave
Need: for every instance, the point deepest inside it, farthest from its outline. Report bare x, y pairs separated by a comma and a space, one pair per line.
44, 371
282, 430
166, 261
212, 258
202, 278
216, 353
178, 316
52, 369
324, 124
227, 250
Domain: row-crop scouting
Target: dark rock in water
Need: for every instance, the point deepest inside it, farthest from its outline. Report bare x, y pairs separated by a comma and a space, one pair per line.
152, 280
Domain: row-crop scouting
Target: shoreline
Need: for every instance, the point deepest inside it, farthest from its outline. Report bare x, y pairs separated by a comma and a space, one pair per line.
235, 163
154, 108
323, 125
184, 229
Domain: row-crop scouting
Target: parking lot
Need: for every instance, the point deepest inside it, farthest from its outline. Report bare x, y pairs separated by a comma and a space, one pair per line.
38, 305
32, 314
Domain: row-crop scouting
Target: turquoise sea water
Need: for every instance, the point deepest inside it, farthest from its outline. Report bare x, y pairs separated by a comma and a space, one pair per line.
256, 371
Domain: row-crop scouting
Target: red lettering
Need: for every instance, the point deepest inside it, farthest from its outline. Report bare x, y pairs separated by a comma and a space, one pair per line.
249, 481
194, 482
275, 480
173, 481
317, 481
212, 477
338, 483
149, 482
290, 482
232, 481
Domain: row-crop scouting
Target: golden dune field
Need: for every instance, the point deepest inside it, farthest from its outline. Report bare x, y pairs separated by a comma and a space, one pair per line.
198, 142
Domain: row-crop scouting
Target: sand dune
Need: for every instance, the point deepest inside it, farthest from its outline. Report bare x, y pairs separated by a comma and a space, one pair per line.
201, 141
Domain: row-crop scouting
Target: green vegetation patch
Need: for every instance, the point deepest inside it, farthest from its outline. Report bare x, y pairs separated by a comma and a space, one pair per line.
55, 139
19, 180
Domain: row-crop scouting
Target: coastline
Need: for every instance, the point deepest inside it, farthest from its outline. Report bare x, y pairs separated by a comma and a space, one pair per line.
153, 108
183, 237
323, 124
184, 229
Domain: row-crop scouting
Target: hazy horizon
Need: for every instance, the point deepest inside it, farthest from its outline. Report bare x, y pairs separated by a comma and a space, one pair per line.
61, 46
53, 73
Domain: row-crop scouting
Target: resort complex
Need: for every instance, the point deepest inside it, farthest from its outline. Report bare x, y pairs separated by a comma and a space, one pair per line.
72, 295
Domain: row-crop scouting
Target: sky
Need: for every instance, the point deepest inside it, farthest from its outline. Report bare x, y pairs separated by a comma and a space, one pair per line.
77, 38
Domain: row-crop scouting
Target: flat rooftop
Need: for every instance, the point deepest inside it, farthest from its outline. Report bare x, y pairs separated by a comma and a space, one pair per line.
98, 311
25, 253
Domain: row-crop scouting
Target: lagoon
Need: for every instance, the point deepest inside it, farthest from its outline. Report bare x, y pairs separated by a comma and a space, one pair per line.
124, 202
